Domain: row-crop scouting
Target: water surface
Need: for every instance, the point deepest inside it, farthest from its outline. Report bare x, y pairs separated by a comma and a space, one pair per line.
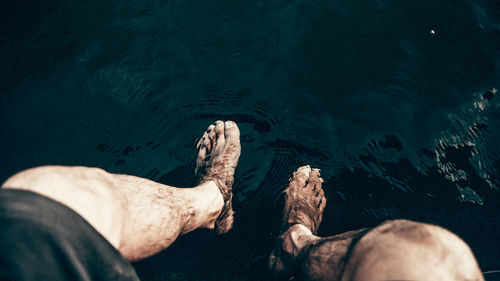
395, 101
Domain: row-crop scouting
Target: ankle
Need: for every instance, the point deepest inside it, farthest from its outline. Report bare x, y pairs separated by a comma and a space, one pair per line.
211, 196
206, 206
288, 251
296, 238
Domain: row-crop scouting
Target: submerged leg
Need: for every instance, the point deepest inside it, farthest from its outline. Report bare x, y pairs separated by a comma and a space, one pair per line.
140, 217
395, 250
298, 251
302, 214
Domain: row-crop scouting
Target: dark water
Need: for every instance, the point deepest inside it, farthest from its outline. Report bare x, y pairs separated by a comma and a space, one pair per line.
395, 101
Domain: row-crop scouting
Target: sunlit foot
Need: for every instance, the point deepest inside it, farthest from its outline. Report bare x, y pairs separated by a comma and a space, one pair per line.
302, 214
219, 151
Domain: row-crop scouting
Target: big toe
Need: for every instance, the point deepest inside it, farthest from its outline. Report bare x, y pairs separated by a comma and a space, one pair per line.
303, 171
301, 176
315, 189
231, 131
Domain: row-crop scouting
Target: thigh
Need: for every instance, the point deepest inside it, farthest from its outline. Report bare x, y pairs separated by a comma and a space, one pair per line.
41, 239
408, 250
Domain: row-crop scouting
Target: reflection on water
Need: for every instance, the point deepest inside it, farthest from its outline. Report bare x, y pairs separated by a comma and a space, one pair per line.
402, 121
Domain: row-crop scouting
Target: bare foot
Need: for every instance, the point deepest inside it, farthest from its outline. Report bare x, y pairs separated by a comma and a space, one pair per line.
304, 200
219, 151
302, 214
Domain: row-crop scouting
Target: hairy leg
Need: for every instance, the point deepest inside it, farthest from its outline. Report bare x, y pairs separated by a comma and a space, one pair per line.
298, 251
326, 258
395, 250
138, 216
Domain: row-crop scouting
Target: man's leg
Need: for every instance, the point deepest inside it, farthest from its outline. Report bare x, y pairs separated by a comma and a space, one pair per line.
140, 217
395, 250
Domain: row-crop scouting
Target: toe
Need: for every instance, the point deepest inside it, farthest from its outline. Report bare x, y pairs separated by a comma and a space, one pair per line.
219, 128
205, 138
298, 182
231, 130
208, 138
304, 171
315, 173
314, 181
220, 139
320, 197
200, 160
202, 140
322, 204
301, 176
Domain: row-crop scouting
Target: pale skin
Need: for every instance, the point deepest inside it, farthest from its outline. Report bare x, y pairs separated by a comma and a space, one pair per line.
137, 216
140, 217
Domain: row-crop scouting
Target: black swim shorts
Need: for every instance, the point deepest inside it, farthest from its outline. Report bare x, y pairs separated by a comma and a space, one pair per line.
41, 239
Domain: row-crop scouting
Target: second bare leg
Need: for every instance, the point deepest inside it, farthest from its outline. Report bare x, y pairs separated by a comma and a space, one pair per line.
395, 250
298, 251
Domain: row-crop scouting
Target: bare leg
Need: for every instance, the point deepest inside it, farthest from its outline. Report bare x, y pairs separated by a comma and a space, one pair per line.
302, 214
137, 216
298, 251
395, 250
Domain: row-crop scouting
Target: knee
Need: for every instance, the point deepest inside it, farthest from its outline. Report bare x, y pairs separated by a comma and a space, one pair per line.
31, 177
403, 249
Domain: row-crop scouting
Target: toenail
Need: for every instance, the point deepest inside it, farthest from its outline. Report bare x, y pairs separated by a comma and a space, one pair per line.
229, 124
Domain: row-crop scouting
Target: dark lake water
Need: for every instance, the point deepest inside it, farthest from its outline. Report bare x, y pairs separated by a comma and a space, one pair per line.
396, 102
